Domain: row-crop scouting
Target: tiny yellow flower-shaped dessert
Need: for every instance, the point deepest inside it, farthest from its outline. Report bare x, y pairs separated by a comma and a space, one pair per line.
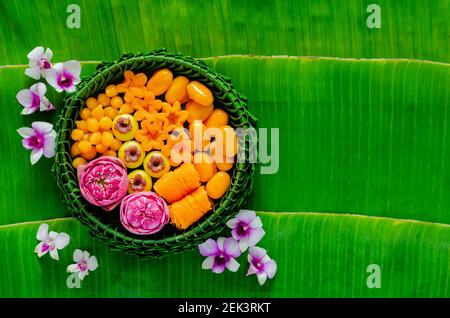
153, 132
179, 147
141, 114
139, 80
175, 116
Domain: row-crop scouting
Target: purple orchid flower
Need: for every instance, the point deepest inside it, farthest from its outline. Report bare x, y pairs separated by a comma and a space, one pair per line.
50, 241
39, 62
33, 99
40, 139
64, 76
84, 263
246, 227
220, 254
261, 264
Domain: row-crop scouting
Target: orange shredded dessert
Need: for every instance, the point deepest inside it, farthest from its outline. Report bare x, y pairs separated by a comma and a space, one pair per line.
176, 184
190, 209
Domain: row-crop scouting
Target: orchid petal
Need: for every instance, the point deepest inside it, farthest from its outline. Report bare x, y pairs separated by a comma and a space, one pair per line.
72, 268
257, 252
42, 127
48, 54
232, 223
51, 77
39, 88
208, 248
251, 270
58, 67
36, 154
50, 106
261, 278
26, 144
270, 268
232, 265
231, 247
42, 232
24, 97
77, 255
220, 241
51, 134
41, 252
86, 255
54, 254
243, 245
46, 105
246, 216
33, 72
38, 249
52, 235
92, 263
208, 262
36, 53
72, 66
49, 148
256, 223
255, 236
235, 234
28, 111
81, 275
61, 240
217, 269
25, 132
71, 89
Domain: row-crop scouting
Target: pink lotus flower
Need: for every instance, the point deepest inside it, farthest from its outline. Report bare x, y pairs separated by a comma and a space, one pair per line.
39, 62
64, 76
246, 228
144, 213
34, 99
261, 264
40, 139
220, 254
103, 182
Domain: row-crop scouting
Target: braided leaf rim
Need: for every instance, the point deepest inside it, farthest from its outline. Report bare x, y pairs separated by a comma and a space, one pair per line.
234, 103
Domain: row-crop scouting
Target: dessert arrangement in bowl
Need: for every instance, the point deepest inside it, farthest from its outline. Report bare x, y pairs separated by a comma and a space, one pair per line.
148, 157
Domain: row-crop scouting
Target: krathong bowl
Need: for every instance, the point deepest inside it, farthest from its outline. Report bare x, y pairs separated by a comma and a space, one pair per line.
106, 225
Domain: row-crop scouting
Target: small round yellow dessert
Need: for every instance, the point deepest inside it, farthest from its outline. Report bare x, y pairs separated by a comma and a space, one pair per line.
131, 154
124, 127
156, 164
139, 181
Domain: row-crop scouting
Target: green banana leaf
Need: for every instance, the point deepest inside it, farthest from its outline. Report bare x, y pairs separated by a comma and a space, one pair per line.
318, 255
366, 137
409, 29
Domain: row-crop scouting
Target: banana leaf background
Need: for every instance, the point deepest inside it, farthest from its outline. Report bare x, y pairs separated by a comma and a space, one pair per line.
364, 144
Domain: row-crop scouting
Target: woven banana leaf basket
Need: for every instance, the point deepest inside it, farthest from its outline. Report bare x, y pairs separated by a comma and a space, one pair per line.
106, 226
